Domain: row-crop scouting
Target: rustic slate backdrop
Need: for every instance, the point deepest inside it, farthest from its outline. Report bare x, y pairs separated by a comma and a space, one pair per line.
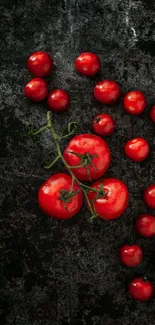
68, 273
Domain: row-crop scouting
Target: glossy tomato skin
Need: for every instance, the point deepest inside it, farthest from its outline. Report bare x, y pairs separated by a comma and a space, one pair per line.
36, 89
88, 144
140, 289
145, 225
149, 196
131, 255
137, 149
88, 64
49, 197
103, 124
107, 92
134, 102
58, 100
152, 114
115, 201
40, 64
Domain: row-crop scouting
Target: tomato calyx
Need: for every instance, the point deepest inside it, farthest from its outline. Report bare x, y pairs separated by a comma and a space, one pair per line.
66, 196
97, 119
85, 161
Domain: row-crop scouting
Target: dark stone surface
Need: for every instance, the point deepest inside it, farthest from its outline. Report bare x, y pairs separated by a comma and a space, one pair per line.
68, 273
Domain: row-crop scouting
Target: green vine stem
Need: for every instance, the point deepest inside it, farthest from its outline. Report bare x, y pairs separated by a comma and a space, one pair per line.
72, 127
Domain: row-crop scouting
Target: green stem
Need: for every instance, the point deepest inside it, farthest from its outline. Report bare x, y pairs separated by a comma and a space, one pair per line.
53, 163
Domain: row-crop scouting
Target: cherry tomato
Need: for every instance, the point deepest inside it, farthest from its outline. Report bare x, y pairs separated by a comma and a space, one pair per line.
141, 289
36, 89
131, 255
55, 199
103, 124
107, 92
152, 114
40, 64
88, 64
58, 100
137, 149
145, 225
134, 102
114, 202
149, 196
89, 154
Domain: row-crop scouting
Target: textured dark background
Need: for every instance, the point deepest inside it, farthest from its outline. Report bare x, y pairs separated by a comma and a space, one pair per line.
68, 273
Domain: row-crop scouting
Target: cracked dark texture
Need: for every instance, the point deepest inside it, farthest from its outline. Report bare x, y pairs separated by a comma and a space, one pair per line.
68, 273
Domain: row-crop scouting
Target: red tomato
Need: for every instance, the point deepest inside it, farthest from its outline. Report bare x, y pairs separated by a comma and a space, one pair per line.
91, 153
58, 100
103, 124
107, 91
152, 114
137, 149
145, 225
131, 255
141, 289
36, 89
40, 64
53, 193
134, 102
114, 202
149, 196
88, 64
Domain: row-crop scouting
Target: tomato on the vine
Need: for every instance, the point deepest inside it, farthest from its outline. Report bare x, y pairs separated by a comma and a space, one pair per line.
131, 255
134, 102
87, 64
58, 100
40, 64
152, 114
149, 196
88, 155
145, 225
113, 202
107, 91
59, 197
141, 289
137, 149
36, 89
103, 124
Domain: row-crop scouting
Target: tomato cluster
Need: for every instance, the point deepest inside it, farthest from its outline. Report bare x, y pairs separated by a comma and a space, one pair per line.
87, 158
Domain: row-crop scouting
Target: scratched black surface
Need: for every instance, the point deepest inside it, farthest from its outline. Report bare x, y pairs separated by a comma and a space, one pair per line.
68, 273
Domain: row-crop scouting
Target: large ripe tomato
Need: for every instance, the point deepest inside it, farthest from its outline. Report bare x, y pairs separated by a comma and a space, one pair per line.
114, 202
90, 154
54, 198
40, 64
137, 149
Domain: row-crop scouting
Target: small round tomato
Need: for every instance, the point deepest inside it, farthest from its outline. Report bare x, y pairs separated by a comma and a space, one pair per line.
145, 225
152, 114
137, 149
55, 198
88, 64
40, 64
36, 89
88, 155
149, 196
141, 289
107, 91
58, 100
131, 255
113, 203
103, 124
134, 102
